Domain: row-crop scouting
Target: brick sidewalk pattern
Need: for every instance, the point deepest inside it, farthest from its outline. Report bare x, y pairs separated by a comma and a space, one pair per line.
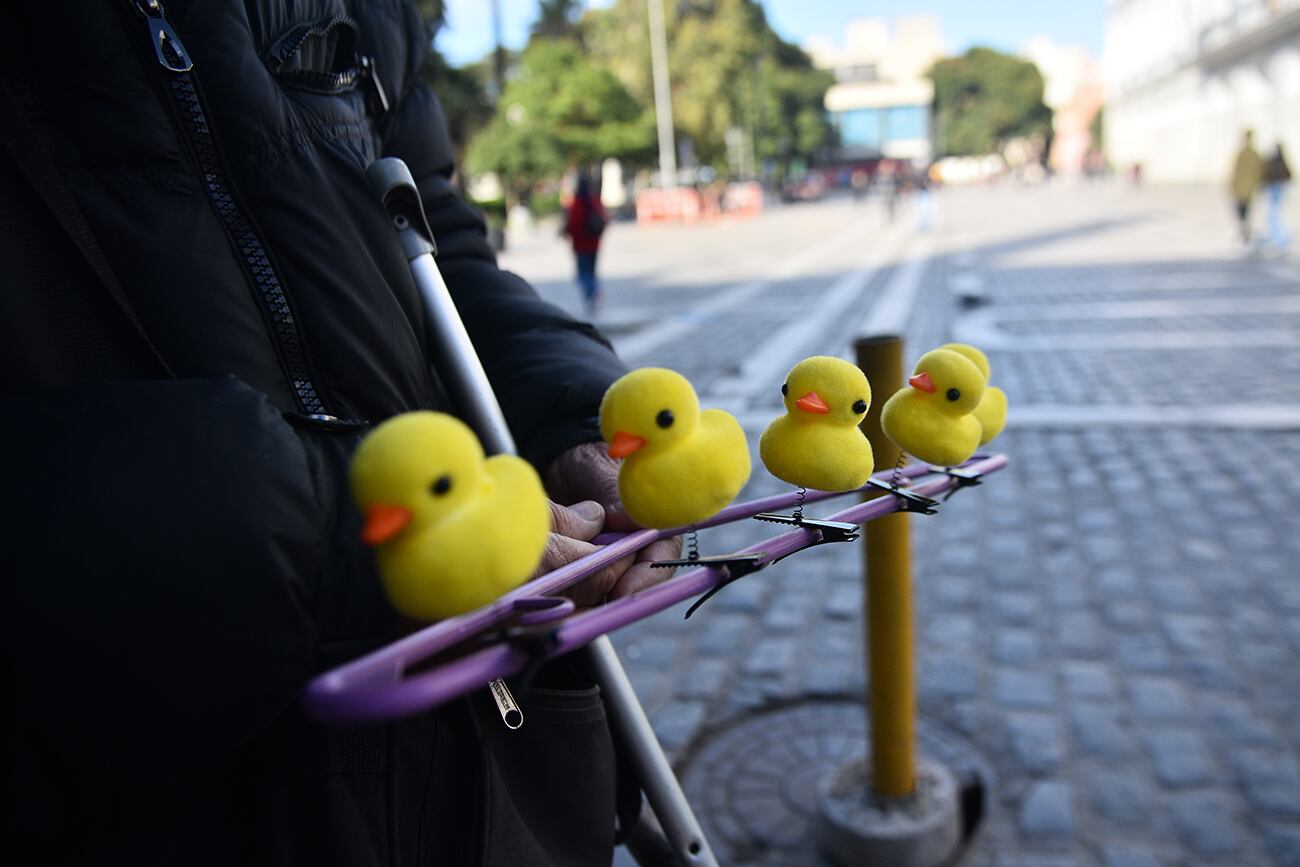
1114, 620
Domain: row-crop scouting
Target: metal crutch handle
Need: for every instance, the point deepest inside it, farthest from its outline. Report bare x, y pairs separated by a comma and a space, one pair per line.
456, 362
459, 367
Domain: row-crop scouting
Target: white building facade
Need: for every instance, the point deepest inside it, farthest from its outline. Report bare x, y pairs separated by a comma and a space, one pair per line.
1184, 78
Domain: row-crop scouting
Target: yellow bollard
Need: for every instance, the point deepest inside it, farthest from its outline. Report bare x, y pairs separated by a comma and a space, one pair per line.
888, 603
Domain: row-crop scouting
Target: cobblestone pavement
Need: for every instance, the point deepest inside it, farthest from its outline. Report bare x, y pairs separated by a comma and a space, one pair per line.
1112, 622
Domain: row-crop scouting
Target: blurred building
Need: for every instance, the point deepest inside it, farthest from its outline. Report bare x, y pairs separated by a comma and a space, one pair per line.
1183, 78
881, 100
1072, 90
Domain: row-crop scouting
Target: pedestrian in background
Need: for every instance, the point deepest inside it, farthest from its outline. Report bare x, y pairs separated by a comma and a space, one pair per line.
585, 224
1277, 175
1247, 172
888, 188
924, 200
859, 180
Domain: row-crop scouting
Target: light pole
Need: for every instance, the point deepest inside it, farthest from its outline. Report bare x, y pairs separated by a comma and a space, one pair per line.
498, 52
663, 95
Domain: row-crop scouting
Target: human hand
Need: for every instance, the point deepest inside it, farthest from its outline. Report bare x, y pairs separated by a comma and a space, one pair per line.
589, 476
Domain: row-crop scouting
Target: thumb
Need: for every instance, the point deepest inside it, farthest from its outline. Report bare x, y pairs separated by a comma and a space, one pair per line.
579, 521
619, 521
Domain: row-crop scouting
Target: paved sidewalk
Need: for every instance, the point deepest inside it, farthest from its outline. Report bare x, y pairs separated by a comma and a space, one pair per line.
1113, 622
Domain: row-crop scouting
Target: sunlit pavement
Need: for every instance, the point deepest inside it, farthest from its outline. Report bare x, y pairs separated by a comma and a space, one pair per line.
1113, 623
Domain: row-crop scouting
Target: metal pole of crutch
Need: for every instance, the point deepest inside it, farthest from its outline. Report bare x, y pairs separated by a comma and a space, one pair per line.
459, 367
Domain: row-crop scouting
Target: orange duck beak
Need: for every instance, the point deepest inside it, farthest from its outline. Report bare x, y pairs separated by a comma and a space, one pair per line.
922, 382
812, 402
383, 522
625, 444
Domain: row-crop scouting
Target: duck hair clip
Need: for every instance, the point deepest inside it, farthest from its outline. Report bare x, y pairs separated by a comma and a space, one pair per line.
817, 442
681, 464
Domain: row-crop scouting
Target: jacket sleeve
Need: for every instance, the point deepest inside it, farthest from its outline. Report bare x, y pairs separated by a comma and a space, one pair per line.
549, 370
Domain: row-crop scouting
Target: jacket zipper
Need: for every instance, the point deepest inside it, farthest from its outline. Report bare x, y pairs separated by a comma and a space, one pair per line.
511, 715
288, 49
173, 57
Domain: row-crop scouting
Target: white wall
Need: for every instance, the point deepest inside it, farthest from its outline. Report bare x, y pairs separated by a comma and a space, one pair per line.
1188, 128
1182, 115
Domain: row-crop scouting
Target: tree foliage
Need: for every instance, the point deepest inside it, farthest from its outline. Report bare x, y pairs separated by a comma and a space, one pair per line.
558, 111
462, 91
985, 97
582, 90
433, 13
557, 19
728, 69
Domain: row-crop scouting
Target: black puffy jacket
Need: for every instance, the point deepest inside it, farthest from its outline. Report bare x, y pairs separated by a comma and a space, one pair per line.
192, 263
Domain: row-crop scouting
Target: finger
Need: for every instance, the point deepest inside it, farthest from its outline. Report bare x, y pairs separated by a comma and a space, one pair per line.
579, 521
561, 550
637, 578
601, 480
618, 520
642, 573
584, 472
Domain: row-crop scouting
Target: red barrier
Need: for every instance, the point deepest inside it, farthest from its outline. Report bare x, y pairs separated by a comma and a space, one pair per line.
688, 205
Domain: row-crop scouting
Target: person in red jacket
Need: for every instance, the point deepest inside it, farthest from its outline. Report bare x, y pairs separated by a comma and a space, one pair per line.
584, 224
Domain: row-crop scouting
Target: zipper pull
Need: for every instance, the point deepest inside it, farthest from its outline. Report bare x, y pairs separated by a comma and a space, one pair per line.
171, 52
511, 715
376, 96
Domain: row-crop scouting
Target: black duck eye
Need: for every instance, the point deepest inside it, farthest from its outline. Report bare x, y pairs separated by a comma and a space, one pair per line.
785, 389
954, 394
665, 418
440, 486
860, 407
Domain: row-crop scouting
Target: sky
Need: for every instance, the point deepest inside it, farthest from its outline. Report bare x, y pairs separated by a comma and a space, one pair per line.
1003, 24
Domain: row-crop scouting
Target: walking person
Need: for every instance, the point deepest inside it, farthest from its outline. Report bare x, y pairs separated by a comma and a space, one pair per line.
585, 224
859, 181
924, 201
1247, 171
1277, 175
888, 188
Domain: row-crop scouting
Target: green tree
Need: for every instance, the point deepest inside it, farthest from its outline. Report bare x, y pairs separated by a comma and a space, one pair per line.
462, 91
433, 13
728, 69
558, 111
985, 97
557, 19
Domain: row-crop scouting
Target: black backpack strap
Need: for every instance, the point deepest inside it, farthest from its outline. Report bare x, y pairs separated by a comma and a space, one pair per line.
19, 137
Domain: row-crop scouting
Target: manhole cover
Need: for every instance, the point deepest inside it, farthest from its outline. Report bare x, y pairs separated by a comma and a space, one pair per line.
754, 784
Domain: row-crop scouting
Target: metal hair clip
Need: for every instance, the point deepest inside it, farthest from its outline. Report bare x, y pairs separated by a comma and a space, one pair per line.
911, 502
964, 478
731, 562
831, 531
739, 566
745, 563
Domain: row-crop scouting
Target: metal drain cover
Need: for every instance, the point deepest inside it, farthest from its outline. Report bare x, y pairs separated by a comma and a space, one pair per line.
754, 784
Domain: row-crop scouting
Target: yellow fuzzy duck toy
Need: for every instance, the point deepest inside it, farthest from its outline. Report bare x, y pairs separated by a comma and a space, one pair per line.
932, 416
681, 464
817, 442
992, 411
452, 530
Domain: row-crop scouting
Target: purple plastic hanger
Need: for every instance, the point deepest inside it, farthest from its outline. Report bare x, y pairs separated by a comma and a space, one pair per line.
376, 686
